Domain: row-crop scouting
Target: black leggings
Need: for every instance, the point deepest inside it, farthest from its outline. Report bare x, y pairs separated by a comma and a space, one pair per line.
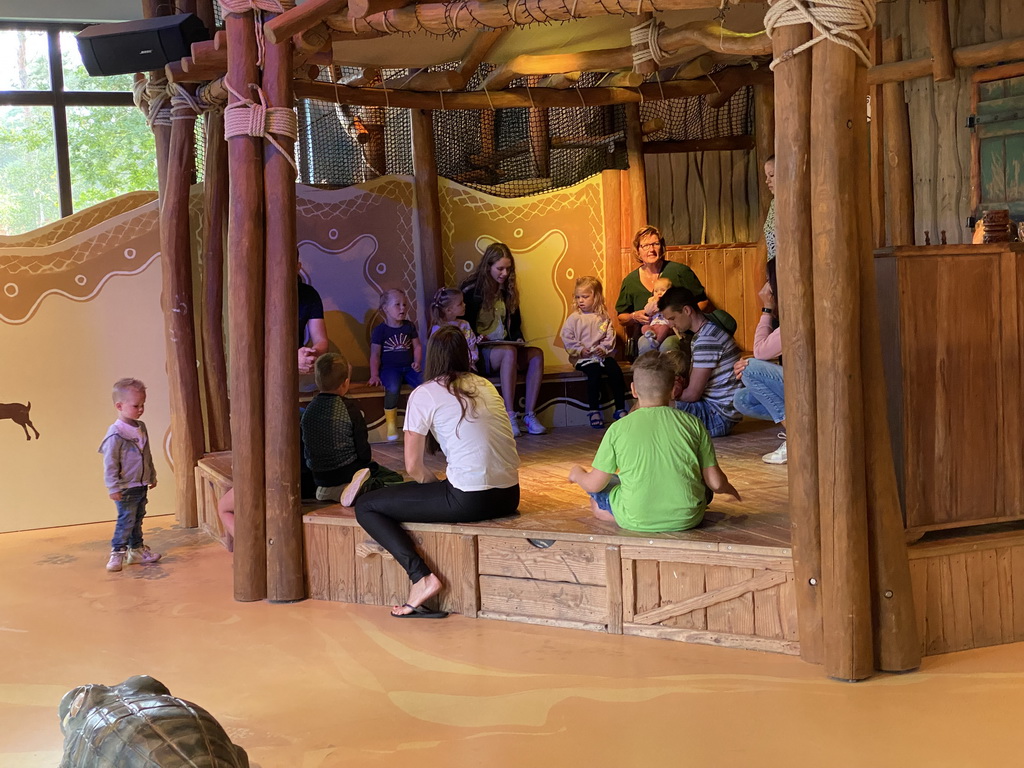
382, 512
609, 368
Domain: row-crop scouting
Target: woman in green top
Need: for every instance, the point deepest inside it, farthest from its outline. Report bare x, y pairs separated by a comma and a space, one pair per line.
638, 286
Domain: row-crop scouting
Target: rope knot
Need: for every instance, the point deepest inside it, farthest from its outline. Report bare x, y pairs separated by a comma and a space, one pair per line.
838, 21
644, 39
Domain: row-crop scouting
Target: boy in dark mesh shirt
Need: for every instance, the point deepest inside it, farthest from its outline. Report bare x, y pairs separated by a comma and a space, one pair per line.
335, 440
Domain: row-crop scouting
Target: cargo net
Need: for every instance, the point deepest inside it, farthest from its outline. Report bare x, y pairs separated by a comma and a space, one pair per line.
694, 119
506, 152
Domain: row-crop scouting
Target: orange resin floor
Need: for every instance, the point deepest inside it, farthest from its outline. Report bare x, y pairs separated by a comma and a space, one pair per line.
319, 684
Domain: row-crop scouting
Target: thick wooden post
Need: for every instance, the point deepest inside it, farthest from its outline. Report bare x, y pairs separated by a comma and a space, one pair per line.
894, 623
898, 152
284, 522
637, 173
540, 144
796, 307
764, 140
836, 190
428, 213
937, 18
876, 143
215, 205
245, 322
187, 439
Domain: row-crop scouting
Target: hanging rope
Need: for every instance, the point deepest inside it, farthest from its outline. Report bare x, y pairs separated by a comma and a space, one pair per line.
258, 7
644, 39
834, 20
245, 117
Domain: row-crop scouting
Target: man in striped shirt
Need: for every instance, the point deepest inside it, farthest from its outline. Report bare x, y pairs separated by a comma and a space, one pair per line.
709, 392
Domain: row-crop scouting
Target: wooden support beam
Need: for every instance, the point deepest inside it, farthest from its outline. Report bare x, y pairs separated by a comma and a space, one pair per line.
245, 329
706, 34
835, 191
187, 438
301, 18
538, 126
980, 55
637, 173
313, 40
285, 577
535, 97
215, 206
456, 79
764, 140
876, 141
720, 144
937, 18
796, 307
893, 621
360, 9
206, 54
205, 12
429, 254
566, 80
175, 72
650, 66
438, 18
898, 152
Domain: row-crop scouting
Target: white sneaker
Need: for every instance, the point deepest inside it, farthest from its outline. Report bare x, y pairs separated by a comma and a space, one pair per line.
778, 456
115, 561
330, 492
141, 556
348, 496
514, 418
533, 425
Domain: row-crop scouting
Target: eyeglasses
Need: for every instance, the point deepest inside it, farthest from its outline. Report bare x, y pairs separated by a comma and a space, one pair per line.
647, 246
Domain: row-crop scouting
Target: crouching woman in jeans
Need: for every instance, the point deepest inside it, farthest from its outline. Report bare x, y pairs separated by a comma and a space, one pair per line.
463, 415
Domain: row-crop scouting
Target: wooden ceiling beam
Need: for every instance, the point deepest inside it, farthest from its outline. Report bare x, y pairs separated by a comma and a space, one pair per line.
301, 18
451, 18
707, 34
456, 79
727, 80
980, 55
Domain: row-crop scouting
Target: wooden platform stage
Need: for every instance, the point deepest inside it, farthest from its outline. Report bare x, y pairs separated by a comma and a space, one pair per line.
728, 582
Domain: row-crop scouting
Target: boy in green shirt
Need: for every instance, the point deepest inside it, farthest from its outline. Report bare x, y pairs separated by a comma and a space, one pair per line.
655, 468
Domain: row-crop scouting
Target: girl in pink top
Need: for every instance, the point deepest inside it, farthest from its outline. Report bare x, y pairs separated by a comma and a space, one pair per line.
761, 396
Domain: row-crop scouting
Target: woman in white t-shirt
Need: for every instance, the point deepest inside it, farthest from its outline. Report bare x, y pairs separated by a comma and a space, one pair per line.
463, 415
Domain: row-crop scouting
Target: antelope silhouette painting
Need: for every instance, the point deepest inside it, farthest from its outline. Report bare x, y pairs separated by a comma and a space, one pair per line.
18, 413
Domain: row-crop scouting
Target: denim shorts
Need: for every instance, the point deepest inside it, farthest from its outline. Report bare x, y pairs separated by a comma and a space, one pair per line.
604, 497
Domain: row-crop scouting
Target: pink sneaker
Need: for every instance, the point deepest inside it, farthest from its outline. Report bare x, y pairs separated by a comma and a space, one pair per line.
114, 563
142, 556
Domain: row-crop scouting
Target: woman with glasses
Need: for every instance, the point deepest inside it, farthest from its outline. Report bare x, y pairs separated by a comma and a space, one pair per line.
638, 287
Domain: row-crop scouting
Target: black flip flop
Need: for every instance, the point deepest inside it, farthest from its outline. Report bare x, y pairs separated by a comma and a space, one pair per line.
420, 612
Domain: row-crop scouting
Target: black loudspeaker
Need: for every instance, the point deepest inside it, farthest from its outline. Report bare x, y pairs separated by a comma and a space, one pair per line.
139, 46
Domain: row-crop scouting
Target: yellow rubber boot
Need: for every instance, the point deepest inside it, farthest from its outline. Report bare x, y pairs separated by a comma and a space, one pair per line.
391, 419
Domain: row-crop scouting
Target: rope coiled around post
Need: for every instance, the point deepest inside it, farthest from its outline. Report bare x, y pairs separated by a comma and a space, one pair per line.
245, 117
838, 21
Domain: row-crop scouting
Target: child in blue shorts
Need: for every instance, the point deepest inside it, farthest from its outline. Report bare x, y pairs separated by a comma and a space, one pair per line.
655, 469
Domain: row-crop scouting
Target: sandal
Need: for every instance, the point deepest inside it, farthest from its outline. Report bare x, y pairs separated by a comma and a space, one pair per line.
596, 419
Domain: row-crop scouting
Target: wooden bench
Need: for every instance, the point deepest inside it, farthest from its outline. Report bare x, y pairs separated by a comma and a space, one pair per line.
213, 480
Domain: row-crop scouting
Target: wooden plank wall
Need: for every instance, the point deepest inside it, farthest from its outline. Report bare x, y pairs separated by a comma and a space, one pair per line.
704, 197
938, 111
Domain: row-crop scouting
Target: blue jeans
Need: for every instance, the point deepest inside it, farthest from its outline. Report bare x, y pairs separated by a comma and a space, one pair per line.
713, 419
392, 379
604, 496
130, 511
761, 396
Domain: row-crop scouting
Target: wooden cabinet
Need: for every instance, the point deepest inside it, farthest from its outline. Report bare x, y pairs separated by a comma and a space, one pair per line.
954, 338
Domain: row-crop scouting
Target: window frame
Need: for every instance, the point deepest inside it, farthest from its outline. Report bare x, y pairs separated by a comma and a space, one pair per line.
59, 100
991, 74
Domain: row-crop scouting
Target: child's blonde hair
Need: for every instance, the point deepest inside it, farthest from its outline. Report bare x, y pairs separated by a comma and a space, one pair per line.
443, 298
122, 386
679, 360
653, 375
330, 371
662, 280
387, 296
588, 281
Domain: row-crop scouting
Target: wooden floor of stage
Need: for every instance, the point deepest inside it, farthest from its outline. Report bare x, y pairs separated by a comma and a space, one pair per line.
551, 503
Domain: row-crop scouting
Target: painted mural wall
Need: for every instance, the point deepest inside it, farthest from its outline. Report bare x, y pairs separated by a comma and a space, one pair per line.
79, 309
